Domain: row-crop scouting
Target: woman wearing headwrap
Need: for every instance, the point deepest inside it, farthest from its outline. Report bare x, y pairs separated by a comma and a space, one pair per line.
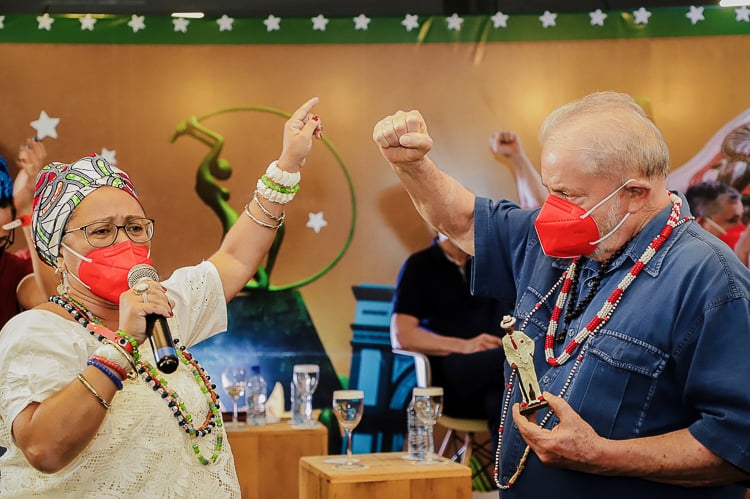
83, 410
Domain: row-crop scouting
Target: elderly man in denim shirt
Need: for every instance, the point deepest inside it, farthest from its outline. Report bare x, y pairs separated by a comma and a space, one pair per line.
641, 318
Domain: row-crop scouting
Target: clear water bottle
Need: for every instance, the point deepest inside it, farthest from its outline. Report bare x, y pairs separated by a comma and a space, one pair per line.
257, 392
416, 435
297, 406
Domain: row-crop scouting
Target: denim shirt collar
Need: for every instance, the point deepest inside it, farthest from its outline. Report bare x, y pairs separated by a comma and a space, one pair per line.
637, 246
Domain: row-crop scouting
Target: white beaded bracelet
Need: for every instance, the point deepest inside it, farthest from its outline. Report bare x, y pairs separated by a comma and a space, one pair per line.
281, 177
271, 195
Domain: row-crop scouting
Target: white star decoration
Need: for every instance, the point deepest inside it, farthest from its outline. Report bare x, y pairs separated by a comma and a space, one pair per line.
361, 22
109, 155
2, 22
180, 24
500, 20
319, 22
136, 23
695, 14
87, 22
272, 23
548, 19
225, 23
44, 22
597, 17
316, 221
454, 22
410, 22
742, 14
45, 126
641, 16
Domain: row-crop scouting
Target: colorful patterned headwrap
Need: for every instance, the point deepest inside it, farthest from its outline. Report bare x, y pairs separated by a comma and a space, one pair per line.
59, 190
6, 183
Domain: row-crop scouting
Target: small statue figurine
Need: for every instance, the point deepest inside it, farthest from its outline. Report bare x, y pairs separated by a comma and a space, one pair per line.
519, 352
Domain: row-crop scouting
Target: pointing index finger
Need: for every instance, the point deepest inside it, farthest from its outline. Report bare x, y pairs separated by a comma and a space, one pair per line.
305, 108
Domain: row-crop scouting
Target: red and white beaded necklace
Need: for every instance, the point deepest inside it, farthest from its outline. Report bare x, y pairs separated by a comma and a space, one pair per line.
602, 316
604, 313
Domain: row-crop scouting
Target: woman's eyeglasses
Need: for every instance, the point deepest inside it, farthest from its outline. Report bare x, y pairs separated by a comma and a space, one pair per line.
103, 234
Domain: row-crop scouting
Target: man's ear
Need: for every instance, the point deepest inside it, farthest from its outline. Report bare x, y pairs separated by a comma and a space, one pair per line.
638, 192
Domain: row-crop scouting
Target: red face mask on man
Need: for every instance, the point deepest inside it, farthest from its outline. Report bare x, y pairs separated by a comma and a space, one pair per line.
566, 230
105, 270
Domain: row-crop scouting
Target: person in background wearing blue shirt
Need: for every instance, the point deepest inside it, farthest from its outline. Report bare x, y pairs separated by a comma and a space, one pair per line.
641, 319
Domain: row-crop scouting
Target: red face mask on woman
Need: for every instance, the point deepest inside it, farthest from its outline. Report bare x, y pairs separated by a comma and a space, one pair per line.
566, 230
105, 270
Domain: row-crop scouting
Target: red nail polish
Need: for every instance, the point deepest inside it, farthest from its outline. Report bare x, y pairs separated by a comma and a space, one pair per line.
315, 117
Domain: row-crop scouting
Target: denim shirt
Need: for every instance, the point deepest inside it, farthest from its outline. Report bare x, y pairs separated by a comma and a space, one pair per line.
673, 355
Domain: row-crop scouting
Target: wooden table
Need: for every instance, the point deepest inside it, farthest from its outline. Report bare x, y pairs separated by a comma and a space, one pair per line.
387, 476
267, 457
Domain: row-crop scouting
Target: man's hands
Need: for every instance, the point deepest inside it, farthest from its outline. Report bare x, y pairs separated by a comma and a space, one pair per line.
402, 138
572, 444
482, 342
505, 144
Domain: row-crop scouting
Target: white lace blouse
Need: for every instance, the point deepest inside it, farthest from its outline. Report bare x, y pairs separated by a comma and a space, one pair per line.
139, 450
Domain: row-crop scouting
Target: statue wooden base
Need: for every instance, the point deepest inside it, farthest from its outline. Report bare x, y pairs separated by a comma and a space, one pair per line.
533, 407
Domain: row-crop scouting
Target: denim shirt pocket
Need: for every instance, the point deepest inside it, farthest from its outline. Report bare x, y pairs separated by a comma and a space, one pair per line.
615, 385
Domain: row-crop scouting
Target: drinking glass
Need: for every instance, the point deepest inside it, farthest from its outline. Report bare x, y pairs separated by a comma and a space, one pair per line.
428, 406
348, 406
305, 378
234, 381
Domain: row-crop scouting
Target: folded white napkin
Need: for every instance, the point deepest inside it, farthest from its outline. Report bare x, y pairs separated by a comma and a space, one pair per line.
275, 404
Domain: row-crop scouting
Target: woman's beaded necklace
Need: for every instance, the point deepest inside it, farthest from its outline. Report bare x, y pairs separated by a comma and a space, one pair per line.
159, 385
602, 316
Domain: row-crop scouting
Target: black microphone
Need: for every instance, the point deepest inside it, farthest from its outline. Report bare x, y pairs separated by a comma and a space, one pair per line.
157, 328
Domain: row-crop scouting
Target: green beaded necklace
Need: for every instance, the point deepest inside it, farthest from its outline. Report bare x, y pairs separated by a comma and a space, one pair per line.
159, 385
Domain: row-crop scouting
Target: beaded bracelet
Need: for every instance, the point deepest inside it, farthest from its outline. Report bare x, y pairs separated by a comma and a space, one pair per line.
133, 344
282, 177
272, 195
265, 210
260, 222
110, 352
112, 365
93, 390
131, 360
279, 188
105, 370
111, 336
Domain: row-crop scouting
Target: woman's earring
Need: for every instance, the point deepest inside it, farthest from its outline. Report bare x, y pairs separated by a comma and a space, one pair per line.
62, 287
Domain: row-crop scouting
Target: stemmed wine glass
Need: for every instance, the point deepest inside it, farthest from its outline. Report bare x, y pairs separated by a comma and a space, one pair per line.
348, 406
428, 406
305, 378
234, 381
